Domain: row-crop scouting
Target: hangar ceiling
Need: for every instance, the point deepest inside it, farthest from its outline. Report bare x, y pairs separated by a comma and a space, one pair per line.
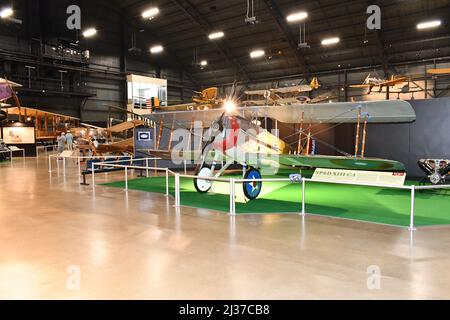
183, 27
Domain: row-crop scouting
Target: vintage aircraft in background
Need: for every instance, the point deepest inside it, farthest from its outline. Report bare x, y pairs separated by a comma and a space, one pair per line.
226, 127
371, 82
282, 95
6, 93
438, 71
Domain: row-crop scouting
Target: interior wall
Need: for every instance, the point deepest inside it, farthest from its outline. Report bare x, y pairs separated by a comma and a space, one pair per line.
427, 138
103, 78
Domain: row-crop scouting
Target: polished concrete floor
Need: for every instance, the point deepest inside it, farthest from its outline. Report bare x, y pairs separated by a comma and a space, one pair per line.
60, 240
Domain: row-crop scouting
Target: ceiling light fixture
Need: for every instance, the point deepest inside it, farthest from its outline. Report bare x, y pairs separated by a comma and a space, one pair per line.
216, 35
429, 24
298, 16
150, 13
257, 54
88, 33
230, 106
156, 49
6, 13
204, 63
330, 41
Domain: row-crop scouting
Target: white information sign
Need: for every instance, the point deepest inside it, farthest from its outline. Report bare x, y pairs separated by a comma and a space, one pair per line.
354, 176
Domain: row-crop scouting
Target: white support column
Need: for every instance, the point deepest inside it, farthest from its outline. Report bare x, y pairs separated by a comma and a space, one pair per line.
413, 195
303, 197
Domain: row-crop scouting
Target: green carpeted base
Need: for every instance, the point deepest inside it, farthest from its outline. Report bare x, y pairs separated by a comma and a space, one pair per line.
386, 206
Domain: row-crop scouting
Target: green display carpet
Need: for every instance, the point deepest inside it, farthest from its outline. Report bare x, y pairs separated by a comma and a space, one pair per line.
386, 206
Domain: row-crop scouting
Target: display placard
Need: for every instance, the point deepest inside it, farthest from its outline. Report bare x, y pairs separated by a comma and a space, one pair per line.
19, 135
145, 136
354, 176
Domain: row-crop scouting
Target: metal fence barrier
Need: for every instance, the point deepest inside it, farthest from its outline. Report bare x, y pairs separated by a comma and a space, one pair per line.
233, 181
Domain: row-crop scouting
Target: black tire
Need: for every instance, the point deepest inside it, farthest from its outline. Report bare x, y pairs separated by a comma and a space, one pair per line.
196, 181
257, 186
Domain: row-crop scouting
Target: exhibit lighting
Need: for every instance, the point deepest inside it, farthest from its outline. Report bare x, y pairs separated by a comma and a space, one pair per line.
296, 17
330, 41
204, 63
156, 49
230, 106
89, 33
150, 13
429, 24
6, 13
216, 35
257, 54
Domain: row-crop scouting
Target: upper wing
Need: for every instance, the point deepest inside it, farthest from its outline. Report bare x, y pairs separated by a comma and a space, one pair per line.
391, 111
438, 71
393, 82
360, 86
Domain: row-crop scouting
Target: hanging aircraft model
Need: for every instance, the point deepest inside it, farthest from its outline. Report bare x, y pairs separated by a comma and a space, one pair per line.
371, 82
233, 136
282, 96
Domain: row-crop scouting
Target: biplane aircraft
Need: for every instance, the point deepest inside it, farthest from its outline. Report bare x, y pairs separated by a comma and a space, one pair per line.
6, 93
371, 82
233, 136
112, 144
281, 96
47, 124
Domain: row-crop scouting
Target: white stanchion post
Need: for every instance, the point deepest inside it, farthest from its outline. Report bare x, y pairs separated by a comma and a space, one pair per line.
146, 166
50, 164
303, 197
413, 195
185, 167
232, 197
167, 182
64, 166
126, 178
177, 190
93, 175
79, 168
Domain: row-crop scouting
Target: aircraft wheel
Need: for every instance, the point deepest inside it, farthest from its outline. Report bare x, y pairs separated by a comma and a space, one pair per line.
203, 186
252, 190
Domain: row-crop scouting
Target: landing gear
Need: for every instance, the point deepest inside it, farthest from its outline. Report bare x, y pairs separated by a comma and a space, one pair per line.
252, 189
203, 186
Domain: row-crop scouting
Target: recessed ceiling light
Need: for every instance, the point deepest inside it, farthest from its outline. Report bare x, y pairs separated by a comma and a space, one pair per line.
257, 54
297, 16
204, 63
216, 35
330, 41
156, 49
150, 13
429, 24
88, 33
6, 13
